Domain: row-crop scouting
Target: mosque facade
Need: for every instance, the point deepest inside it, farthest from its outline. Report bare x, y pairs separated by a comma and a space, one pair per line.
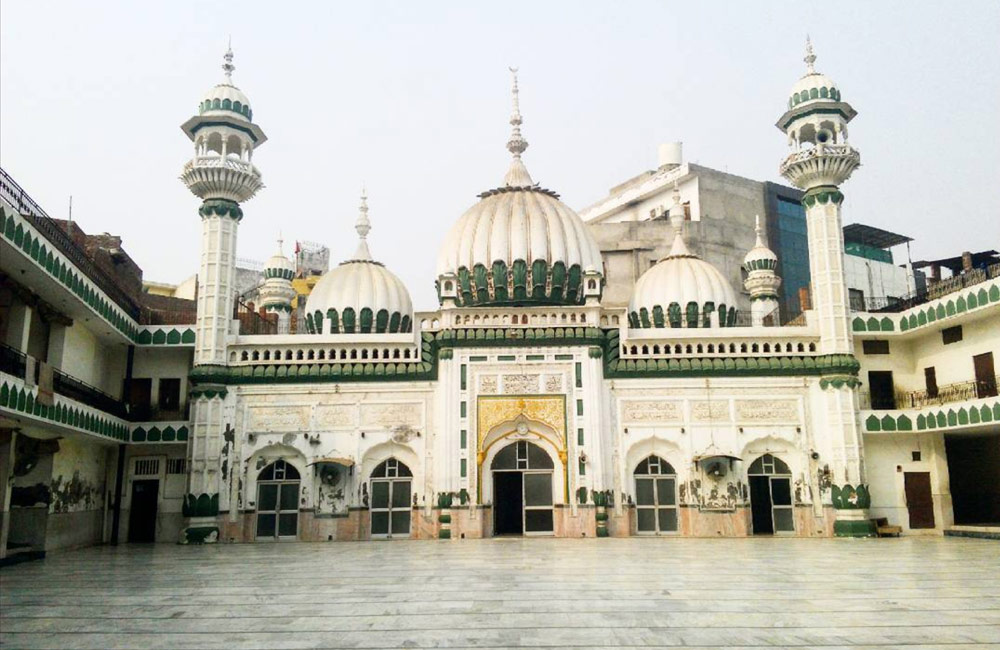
522, 406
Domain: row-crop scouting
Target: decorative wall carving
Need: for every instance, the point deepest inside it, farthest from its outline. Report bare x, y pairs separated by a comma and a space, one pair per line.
650, 411
553, 383
710, 411
335, 416
549, 410
767, 410
514, 384
267, 419
390, 415
488, 384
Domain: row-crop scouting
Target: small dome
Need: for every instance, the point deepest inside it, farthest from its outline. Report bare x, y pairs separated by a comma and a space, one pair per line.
813, 86
523, 234
360, 295
225, 98
760, 257
279, 266
681, 290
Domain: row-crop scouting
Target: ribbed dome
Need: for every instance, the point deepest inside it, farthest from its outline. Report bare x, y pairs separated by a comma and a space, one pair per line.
279, 266
681, 290
813, 86
519, 243
760, 257
360, 295
225, 97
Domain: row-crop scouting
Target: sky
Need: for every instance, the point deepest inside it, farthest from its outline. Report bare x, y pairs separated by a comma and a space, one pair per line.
411, 99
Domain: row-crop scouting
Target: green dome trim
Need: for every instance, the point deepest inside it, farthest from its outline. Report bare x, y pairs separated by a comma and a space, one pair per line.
225, 105
548, 286
822, 195
675, 316
284, 274
814, 93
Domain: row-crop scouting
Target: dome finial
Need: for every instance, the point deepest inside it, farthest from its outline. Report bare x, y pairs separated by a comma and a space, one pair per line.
281, 242
363, 226
228, 66
757, 229
517, 175
679, 247
809, 58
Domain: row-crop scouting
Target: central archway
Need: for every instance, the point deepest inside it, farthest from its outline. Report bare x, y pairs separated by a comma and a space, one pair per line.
522, 490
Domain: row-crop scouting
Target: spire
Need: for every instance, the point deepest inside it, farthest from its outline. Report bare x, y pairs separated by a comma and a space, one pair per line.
363, 227
809, 58
679, 247
757, 229
228, 66
517, 175
281, 242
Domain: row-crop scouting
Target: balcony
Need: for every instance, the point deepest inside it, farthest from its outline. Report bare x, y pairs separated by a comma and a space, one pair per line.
893, 305
949, 393
54, 234
13, 362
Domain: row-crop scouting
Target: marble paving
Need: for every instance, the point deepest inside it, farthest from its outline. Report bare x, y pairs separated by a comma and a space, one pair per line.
526, 593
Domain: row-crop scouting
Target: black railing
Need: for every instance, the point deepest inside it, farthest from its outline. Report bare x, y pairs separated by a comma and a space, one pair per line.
957, 392
251, 322
54, 233
932, 292
15, 362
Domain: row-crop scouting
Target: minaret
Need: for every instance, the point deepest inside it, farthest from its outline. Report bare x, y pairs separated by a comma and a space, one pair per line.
221, 173
363, 226
762, 282
276, 291
821, 159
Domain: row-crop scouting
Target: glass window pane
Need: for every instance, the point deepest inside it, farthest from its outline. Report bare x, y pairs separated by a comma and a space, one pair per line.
288, 524
644, 491
647, 519
538, 521
265, 525
537, 458
400, 494
783, 519
781, 492
290, 496
400, 522
380, 494
666, 495
537, 489
380, 523
506, 458
668, 519
267, 496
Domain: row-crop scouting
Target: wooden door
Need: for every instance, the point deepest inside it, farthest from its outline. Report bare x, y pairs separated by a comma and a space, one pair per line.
919, 501
986, 379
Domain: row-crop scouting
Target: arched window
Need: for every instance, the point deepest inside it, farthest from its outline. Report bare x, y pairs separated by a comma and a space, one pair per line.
278, 501
769, 465
655, 496
771, 507
521, 455
391, 468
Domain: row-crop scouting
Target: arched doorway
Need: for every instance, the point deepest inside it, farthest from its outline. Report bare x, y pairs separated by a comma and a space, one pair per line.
391, 486
771, 496
278, 502
655, 497
522, 490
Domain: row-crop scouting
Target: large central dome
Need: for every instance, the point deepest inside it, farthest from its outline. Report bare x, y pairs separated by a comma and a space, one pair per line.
518, 245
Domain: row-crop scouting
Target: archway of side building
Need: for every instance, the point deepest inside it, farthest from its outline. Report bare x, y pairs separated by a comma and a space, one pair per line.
974, 474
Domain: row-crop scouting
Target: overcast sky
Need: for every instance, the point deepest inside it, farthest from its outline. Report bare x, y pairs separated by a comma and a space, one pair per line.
412, 98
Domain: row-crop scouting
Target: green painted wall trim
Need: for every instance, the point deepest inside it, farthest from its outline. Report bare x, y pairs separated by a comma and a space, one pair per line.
165, 335
200, 505
850, 497
823, 195
22, 399
929, 419
200, 535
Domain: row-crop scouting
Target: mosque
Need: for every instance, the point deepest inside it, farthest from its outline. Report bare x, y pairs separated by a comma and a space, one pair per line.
525, 405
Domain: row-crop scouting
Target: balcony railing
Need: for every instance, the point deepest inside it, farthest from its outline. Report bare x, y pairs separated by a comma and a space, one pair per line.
957, 392
934, 291
14, 362
54, 233
251, 321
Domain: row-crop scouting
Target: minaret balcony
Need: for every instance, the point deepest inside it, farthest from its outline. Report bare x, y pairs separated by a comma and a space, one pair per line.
824, 164
221, 177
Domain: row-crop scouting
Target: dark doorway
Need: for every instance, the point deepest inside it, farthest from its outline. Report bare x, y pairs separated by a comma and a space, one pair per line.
142, 511
881, 389
986, 379
140, 397
760, 505
919, 501
508, 503
974, 474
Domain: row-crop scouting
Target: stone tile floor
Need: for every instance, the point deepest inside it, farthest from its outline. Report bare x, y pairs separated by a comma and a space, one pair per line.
569, 593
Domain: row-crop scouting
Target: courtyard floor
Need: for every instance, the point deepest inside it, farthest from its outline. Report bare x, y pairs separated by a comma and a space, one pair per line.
569, 593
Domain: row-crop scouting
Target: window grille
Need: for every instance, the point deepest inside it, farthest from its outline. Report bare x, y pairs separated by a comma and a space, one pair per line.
146, 467
177, 466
